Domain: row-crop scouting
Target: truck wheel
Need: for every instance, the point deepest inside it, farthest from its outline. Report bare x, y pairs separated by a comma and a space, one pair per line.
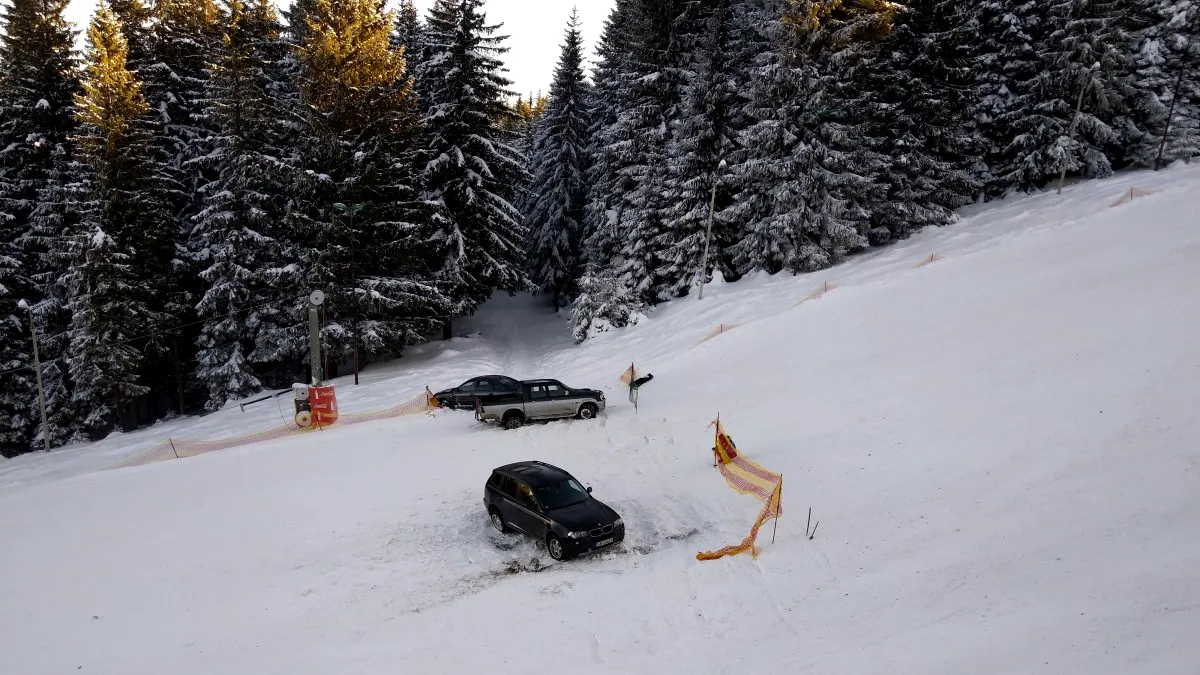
513, 420
587, 411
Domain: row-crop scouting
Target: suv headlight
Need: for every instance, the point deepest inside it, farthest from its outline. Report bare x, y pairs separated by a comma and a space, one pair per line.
577, 535
618, 523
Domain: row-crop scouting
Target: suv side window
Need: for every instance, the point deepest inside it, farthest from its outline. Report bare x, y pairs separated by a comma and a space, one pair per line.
495, 481
509, 488
525, 497
538, 392
557, 391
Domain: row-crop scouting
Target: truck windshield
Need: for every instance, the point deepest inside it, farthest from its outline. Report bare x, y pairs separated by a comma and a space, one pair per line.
560, 495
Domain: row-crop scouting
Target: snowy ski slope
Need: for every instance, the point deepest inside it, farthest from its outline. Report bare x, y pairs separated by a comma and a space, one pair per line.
1002, 448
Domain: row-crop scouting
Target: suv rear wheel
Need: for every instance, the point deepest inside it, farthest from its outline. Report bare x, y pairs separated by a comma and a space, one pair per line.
497, 521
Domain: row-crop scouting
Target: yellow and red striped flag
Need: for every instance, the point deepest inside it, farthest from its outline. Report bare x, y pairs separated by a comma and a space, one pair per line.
628, 376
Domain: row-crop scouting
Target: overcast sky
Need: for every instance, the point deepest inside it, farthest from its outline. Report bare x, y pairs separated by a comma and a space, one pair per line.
535, 29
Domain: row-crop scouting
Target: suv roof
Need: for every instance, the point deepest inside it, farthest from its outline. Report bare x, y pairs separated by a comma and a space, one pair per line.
535, 473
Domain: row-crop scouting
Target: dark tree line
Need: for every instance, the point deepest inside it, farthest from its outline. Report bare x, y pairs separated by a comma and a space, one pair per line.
821, 128
170, 196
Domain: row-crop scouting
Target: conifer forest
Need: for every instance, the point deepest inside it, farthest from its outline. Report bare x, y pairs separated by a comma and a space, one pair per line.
175, 182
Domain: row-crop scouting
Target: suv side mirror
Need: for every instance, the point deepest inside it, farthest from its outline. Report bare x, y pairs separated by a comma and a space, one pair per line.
589, 490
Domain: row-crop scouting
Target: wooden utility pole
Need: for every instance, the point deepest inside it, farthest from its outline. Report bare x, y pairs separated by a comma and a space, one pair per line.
314, 336
37, 369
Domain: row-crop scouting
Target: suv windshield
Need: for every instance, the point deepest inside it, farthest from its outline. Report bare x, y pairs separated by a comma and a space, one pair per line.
560, 495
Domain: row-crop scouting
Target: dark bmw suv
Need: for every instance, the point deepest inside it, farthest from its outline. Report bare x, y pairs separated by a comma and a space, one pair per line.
546, 502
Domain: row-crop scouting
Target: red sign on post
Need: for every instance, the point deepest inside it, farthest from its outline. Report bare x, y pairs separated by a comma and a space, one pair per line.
323, 403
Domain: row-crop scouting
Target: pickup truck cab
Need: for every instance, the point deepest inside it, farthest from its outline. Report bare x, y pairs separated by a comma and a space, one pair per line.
539, 400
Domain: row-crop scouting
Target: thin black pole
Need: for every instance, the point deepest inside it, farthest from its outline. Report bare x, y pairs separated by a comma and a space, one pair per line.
173, 448
354, 291
1170, 113
809, 523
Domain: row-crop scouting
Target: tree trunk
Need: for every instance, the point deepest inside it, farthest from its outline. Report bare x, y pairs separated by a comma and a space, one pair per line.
178, 372
1170, 113
447, 330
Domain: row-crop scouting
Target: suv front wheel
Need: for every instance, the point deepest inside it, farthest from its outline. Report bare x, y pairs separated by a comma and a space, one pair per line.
555, 548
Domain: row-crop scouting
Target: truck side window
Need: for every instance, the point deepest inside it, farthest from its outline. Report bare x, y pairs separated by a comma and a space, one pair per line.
557, 391
539, 392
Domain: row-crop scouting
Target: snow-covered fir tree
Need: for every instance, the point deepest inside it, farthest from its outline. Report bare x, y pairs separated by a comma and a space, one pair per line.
1166, 103
163, 58
1070, 105
365, 233
604, 300
432, 46
611, 94
407, 33
658, 65
559, 186
38, 78
470, 173
62, 205
705, 134
1007, 53
604, 303
119, 210
799, 203
916, 92
236, 231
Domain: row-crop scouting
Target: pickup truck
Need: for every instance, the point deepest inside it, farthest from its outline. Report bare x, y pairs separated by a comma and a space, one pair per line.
539, 400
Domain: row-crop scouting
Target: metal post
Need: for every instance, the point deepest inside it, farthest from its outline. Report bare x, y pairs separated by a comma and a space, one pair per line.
37, 368
712, 205
314, 345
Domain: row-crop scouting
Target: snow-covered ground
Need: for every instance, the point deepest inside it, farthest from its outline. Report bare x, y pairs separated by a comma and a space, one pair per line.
1001, 447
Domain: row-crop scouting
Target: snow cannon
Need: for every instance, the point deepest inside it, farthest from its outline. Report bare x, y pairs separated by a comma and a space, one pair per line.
300, 396
322, 403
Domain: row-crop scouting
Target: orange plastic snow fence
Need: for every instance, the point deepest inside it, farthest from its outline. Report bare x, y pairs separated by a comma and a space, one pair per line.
323, 403
748, 478
324, 414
